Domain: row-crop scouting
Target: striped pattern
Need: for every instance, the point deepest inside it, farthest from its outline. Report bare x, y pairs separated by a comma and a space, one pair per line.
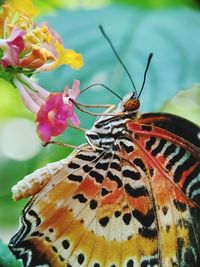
131, 202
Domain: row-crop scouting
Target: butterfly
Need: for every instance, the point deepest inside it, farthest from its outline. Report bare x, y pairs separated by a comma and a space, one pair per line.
130, 197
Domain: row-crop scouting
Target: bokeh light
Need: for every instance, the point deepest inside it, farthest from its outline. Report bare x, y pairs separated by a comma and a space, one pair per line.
18, 139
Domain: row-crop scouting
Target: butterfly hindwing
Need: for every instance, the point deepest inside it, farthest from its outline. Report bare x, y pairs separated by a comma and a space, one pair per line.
128, 206
105, 218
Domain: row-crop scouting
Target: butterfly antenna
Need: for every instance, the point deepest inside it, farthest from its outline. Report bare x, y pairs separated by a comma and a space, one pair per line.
103, 85
116, 54
145, 73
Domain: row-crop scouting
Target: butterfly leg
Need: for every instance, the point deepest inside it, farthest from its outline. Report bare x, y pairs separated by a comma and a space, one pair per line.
67, 145
108, 107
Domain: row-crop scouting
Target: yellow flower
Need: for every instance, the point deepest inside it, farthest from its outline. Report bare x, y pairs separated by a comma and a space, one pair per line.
67, 56
16, 13
64, 56
39, 35
3, 15
25, 7
73, 59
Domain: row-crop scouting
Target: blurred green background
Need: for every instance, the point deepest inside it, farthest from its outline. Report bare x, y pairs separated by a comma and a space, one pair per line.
169, 29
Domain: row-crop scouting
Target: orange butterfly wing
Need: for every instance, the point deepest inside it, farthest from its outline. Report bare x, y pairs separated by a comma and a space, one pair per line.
129, 207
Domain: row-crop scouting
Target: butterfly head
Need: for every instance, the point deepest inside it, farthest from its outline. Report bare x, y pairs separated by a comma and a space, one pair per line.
129, 103
132, 103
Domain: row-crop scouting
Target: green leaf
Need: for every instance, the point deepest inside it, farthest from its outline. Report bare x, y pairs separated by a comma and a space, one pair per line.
185, 104
6, 258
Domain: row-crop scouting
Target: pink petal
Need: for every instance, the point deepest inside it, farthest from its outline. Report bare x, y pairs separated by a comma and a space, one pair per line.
59, 127
53, 101
12, 47
27, 99
53, 116
75, 120
16, 39
75, 91
44, 131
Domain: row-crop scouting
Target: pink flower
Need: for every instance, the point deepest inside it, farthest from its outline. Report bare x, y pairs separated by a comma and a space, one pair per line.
53, 111
12, 47
52, 118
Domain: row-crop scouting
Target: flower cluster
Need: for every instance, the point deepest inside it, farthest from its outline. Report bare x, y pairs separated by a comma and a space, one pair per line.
27, 48
26, 44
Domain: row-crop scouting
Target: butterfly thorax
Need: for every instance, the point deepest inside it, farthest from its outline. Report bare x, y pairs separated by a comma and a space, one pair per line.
110, 132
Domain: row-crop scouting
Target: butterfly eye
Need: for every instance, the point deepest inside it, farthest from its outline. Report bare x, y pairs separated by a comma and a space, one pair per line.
132, 104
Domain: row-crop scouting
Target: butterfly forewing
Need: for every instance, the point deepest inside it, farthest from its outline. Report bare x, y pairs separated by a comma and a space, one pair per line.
175, 176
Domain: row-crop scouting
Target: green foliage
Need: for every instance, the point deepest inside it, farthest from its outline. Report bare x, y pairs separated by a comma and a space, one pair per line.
186, 104
11, 103
6, 258
46, 6
158, 4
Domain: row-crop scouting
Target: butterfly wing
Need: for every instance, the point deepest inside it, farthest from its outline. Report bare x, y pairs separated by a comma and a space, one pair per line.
174, 165
96, 211
174, 124
117, 208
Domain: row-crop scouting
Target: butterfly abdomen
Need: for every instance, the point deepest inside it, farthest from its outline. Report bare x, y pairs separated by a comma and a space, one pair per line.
33, 183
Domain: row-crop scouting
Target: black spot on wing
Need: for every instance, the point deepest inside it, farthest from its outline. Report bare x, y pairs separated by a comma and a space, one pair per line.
37, 233
115, 178
175, 158
127, 218
169, 150
104, 221
102, 165
73, 165
116, 166
128, 148
81, 258
194, 174
85, 157
104, 191
117, 213
189, 162
87, 168
136, 192
150, 142
158, 149
150, 263
131, 174
75, 178
130, 263
97, 176
145, 220
93, 204
65, 244
148, 232
80, 197
139, 163
180, 206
